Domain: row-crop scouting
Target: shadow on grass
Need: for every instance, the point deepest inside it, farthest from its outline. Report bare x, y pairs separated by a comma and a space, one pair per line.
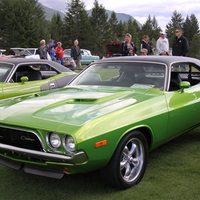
171, 168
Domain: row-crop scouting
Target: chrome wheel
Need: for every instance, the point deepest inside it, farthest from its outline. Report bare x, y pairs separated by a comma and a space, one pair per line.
131, 160
128, 163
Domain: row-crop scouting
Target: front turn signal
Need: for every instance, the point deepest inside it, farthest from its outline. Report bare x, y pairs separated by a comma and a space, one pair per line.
101, 143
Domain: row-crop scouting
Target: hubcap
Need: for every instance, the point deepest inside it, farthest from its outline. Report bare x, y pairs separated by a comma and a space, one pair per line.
131, 160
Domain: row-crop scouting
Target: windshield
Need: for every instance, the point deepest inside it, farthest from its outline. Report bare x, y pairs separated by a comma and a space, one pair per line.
134, 75
4, 71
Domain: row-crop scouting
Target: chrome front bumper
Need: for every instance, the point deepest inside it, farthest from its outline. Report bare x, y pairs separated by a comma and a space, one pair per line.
76, 158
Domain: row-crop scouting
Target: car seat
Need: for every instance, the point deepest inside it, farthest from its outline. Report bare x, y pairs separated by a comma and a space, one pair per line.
127, 77
174, 82
35, 75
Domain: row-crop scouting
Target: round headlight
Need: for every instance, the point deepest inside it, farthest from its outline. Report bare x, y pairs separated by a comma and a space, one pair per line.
69, 143
54, 140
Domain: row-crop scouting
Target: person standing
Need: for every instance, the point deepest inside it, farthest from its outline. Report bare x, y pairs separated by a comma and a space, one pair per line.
162, 44
127, 47
180, 46
60, 53
76, 54
42, 50
145, 44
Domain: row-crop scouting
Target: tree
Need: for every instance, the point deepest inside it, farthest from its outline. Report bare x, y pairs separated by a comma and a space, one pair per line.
121, 30
194, 50
113, 22
100, 28
77, 24
22, 23
176, 22
190, 27
151, 29
56, 28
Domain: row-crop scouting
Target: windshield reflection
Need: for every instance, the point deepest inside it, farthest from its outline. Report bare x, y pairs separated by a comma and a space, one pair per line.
4, 71
134, 75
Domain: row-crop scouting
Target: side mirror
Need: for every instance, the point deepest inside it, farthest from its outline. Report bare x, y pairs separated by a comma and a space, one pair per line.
183, 85
24, 79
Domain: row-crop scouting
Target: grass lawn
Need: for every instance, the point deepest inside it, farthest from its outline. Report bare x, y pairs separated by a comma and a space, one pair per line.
173, 173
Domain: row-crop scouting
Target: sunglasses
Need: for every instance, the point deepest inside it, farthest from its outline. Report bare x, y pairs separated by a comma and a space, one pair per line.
177, 31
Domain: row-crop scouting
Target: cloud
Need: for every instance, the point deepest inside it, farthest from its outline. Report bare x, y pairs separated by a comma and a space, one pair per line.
140, 10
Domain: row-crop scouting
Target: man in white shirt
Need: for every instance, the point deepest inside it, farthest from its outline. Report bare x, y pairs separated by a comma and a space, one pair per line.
162, 44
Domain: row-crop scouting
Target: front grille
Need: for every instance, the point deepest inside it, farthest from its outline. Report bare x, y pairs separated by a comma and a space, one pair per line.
19, 138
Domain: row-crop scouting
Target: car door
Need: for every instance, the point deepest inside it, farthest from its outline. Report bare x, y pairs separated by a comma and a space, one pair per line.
86, 57
184, 105
16, 87
1, 91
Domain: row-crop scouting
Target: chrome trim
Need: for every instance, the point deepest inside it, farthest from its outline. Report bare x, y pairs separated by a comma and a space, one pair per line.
49, 143
76, 158
43, 148
52, 85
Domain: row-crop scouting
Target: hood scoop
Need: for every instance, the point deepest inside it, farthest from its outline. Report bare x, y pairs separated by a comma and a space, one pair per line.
85, 100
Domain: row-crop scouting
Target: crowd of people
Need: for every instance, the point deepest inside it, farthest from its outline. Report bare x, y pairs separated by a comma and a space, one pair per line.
127, 48
179, 48
56, 52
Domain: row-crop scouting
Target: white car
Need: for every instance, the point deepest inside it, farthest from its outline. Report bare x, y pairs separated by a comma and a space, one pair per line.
30, 53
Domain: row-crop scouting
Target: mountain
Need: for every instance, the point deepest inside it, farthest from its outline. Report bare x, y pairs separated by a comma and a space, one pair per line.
120, 16
49, 12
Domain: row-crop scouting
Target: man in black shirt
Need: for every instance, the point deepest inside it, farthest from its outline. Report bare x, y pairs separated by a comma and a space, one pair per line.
180, 45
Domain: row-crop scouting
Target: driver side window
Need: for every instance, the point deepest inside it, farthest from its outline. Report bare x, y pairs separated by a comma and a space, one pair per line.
184, 72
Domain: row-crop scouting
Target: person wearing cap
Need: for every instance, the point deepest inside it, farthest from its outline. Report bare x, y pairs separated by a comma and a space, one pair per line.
162, 44
42, 50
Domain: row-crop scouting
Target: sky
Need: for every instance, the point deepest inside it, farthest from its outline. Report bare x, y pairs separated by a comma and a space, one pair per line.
140, 9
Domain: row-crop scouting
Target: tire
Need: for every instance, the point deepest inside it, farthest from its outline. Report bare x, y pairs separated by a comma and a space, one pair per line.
128, 163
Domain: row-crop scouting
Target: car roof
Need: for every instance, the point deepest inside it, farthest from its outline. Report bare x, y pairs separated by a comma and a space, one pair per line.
17, 61
168, 60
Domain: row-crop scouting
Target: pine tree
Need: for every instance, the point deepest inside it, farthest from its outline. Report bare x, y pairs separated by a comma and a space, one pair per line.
176, 22
100, 28
77, 24
190, 27
194, 50
113, 22
151, 29
56, 28
121, 30
22, 23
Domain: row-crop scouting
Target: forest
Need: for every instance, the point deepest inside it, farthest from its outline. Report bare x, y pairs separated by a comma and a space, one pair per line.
23, 24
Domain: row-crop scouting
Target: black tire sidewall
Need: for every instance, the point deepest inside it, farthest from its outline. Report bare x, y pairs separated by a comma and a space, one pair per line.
112, 170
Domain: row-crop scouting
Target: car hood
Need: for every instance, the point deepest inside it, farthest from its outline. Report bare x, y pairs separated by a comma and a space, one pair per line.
21, 51
71, 105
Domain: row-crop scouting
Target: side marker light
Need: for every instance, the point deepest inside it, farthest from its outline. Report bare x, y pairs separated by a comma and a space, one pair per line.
101, 143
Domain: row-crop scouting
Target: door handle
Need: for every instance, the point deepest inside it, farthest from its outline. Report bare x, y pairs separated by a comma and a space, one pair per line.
52, 85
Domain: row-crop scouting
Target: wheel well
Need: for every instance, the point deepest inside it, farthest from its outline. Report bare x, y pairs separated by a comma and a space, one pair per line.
147, 134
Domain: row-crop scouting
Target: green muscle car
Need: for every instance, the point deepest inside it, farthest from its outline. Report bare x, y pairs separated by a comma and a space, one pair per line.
108, 119
23, 76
